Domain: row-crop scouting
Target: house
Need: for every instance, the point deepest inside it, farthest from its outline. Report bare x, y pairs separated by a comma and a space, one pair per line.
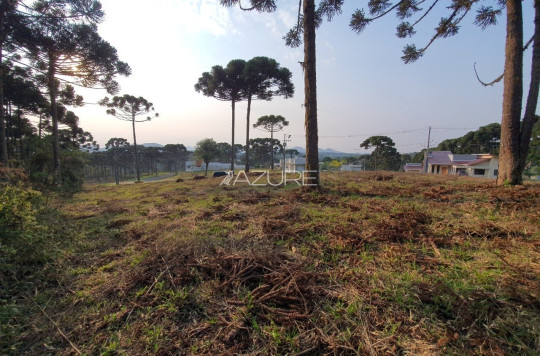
483, 167
199, 166
351, 168
294, 164
194, 166
414, 167
472, 165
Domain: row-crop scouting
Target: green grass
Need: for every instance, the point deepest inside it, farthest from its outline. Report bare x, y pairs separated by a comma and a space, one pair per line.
374, 263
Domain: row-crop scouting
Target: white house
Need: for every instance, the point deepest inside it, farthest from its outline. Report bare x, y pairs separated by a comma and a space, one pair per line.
413, 167
472, 165
294, 164
199, 166
351, 168
483, 168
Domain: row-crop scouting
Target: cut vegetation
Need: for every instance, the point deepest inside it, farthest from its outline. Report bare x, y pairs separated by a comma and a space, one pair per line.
375, 263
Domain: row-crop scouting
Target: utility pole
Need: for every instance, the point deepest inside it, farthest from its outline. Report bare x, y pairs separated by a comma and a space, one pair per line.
285, 140
427, 151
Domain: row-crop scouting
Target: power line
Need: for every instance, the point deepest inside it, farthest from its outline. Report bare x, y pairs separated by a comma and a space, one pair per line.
393, 133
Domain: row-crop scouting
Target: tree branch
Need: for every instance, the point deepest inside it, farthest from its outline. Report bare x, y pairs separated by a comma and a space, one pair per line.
487, 84
57, 327
426, 13
499, 78
257, 4
528, 43
386, 12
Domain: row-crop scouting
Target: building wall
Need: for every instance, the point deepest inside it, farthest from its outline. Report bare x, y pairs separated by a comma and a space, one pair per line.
295, 165
490, 169
191, 166
351, 168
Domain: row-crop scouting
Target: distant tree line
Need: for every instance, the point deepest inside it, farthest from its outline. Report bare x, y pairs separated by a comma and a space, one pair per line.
117, 163
264, 152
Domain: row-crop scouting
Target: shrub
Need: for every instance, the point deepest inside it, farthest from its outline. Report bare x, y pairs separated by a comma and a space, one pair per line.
22, 238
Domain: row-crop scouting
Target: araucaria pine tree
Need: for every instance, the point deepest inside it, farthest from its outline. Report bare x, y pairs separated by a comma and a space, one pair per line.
226, 84
130, 108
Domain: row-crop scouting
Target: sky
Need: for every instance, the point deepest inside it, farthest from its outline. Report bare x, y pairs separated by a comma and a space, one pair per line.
364, 88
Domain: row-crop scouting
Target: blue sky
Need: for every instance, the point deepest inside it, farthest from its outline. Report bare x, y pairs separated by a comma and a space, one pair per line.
364, 88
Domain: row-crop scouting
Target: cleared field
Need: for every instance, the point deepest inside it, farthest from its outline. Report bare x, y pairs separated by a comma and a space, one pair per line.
374, 263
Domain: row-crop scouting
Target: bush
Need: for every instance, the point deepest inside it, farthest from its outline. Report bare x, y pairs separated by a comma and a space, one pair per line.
22, 237
71, 177
30, 242
11, 176
72, 172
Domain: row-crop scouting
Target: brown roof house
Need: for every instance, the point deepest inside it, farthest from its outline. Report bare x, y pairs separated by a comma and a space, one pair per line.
472, 165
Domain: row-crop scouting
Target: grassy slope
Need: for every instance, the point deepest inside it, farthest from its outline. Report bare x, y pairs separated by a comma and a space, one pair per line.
377, 263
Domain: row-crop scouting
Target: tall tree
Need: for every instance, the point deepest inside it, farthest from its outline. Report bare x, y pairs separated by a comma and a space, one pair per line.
530, 119
130, 108
175, 153
509, 157
265, 149
22, 93
224, 152
515, 134
271, 123
532, 164
62, 42
292, 152
264, 80
226, 84
384, 156
206, 150
18, 19
6, 7
310, 85
13, 32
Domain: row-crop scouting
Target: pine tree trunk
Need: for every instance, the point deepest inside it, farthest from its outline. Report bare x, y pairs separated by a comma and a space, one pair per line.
232, 135
3, 138
116, 178
54, 114
10, 140
509, 167
272, 149
19, 124
135, 147
247, 133
529, 118
310, 88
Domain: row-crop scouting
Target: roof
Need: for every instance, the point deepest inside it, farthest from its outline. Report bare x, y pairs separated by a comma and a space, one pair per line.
446, 158
478, 161
413, 167
440, 158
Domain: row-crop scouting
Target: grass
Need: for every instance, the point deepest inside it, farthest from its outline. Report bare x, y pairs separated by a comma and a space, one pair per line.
374, 263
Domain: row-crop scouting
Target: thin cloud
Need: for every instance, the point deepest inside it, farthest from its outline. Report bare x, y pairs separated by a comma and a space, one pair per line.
203, 16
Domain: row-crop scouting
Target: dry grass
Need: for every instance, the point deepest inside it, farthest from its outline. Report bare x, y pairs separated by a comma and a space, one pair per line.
373, 264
